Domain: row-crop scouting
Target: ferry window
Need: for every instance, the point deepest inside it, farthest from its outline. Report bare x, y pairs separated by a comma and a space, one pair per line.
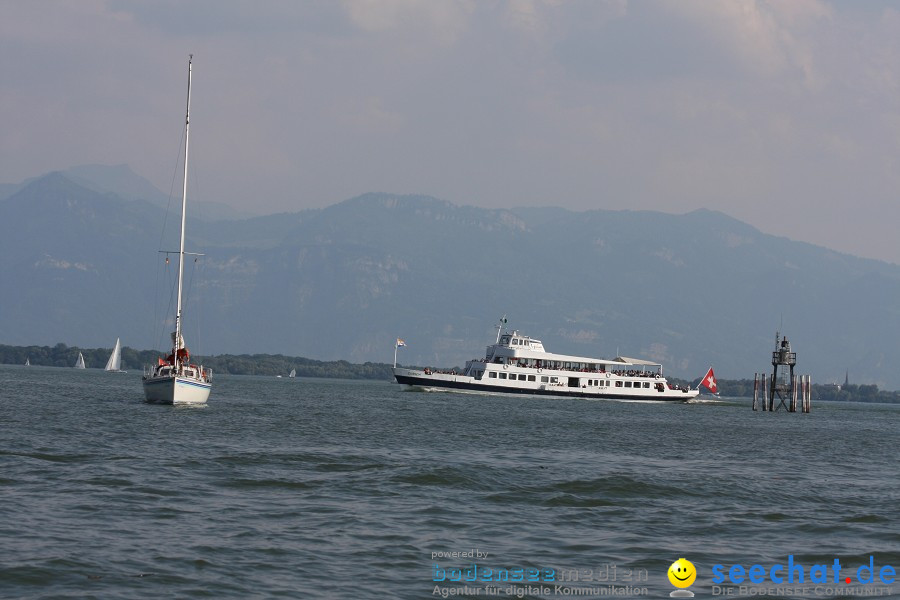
627, 384
618, 384
646, 384
502, 375
492, 375
544, 379
522, 377
554, 380
531, 378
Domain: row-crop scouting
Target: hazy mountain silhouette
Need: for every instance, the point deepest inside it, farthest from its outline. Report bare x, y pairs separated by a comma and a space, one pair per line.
81, 267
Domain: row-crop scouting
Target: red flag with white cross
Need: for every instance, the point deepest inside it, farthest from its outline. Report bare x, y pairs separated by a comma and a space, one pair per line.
709, 381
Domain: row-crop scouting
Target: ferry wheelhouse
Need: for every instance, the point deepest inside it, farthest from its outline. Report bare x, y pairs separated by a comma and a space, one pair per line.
518, 364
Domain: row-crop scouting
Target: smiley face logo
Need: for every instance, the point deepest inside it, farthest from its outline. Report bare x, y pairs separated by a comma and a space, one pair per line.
682, 573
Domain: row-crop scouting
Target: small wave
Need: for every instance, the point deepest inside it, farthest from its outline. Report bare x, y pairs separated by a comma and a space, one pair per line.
283, 484
54, 458
866, 519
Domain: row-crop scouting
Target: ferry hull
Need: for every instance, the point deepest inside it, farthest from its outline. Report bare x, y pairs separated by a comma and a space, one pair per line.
416, 378
176, 390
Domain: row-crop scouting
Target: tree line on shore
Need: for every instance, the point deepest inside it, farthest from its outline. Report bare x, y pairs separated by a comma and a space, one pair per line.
743, 388
62, 355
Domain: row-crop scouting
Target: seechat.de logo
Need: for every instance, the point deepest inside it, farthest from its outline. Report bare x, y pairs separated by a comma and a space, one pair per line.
797, 573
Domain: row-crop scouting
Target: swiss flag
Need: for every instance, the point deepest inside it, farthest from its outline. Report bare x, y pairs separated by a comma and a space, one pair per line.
709, 380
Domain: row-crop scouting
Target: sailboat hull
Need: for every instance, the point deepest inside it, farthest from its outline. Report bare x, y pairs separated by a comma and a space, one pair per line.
176, 390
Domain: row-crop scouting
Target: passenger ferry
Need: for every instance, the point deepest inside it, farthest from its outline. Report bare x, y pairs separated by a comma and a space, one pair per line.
518, 364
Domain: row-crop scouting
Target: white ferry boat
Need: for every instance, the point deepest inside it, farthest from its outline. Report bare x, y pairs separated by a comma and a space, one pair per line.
518, 364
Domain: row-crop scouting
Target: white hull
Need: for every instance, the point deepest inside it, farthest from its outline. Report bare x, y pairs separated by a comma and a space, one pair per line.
580, 385
176, 390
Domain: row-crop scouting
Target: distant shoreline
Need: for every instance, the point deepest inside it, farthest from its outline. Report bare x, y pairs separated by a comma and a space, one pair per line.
62, 355
273, 365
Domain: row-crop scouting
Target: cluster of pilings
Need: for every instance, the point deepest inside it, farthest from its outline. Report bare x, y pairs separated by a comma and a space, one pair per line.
783, 385
797, 393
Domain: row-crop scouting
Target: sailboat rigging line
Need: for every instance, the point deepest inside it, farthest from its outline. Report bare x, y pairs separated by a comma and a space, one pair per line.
198, 268
155, 326
164, 326
175, 172
160, 327
158, 333
189, 287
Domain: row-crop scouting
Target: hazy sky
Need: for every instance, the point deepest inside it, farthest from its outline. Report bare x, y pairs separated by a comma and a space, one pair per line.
783, 114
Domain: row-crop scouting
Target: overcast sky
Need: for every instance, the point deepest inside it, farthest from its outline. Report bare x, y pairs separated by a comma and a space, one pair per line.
785, 115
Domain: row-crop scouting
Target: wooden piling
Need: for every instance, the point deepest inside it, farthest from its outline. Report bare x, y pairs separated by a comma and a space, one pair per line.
807, 393
756, 391
794, 390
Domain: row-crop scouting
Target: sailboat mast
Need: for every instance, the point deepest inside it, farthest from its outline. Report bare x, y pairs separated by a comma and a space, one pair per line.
187, 136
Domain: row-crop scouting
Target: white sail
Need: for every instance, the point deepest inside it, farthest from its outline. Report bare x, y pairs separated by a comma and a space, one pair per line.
115, 359
79, 364
293, 373
27, 362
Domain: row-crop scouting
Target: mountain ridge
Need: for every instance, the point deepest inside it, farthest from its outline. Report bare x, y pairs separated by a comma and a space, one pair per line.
342, 282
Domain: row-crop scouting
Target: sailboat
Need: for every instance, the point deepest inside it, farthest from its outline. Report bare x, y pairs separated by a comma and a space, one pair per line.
174, 379
293, 373
79, 364
114, 364
27, 362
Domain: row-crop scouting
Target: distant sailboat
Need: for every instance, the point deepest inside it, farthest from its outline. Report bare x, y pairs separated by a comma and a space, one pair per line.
79, 364
27, 362
114, 364
174, 379
293, 373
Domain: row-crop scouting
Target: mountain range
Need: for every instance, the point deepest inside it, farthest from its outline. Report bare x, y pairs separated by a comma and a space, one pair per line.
81, 265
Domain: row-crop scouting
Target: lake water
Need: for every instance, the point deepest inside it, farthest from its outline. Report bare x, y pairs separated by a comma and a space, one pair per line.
299, 488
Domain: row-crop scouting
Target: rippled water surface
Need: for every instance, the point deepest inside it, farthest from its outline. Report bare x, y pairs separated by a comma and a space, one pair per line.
335, 489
